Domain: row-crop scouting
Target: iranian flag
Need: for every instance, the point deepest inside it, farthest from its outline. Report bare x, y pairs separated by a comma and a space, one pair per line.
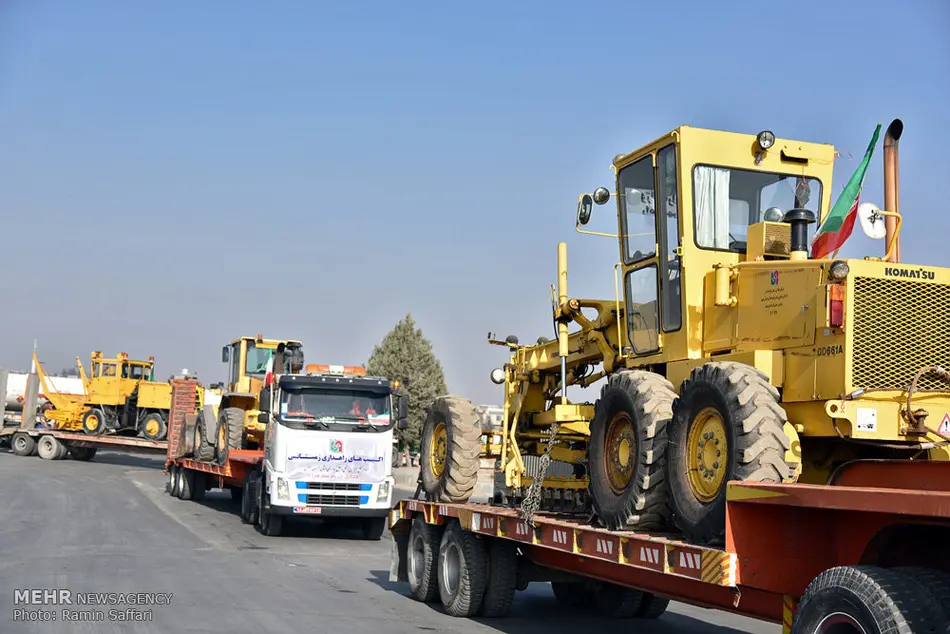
837, 227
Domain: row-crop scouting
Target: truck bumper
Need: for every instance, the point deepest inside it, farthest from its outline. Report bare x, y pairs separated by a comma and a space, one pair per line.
327, 511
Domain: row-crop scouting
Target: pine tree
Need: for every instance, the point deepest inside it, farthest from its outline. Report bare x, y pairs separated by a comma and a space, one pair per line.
406, 355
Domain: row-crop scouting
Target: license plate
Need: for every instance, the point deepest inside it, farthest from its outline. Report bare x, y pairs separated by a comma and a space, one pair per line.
313, 510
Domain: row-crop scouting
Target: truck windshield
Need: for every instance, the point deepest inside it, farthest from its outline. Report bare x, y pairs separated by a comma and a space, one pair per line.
727, 200
316, 408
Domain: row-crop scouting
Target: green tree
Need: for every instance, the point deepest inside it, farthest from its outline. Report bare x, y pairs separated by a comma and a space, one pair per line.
406, 355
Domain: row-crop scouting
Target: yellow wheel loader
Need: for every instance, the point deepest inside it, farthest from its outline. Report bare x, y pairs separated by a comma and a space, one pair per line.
731, 354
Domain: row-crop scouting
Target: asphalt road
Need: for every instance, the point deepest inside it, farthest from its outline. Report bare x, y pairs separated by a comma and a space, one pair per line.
108, 526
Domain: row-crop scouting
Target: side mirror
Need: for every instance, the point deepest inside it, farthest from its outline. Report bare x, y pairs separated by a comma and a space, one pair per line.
402, 407
585, 205
225, 354
402, 423
263, 417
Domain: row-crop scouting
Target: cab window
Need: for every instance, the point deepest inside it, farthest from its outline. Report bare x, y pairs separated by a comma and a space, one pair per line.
108, 369
637, 210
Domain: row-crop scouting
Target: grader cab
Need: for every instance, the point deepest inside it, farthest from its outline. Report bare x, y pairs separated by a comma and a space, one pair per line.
731, 353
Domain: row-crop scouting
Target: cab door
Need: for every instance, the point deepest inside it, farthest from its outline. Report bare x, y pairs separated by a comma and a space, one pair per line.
650, 249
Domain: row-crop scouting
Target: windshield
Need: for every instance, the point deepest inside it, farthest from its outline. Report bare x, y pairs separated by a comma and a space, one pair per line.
257, 359
309, 408
727, 200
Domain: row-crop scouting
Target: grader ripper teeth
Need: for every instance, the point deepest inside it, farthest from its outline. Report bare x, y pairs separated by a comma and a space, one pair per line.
731, 354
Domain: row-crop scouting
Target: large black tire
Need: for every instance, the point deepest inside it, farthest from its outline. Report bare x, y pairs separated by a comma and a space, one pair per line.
450, 442
94, 421
751, 420
935, 583
83, 454
631, 417
174, 475
154, 427
502, 578
878, 600
186, 478
462, 567
617, 602
268, 523
230, 432
23, 444
373, 528
652, 606
48, 447
204, 450
422, 559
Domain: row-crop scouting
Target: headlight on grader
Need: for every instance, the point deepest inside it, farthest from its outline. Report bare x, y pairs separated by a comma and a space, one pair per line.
498, 376
839, 270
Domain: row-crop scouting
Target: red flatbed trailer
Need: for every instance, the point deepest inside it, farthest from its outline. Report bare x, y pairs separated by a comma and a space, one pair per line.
779, 539
51, 444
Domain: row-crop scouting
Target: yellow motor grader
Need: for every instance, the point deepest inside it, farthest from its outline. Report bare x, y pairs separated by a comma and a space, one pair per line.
730, 355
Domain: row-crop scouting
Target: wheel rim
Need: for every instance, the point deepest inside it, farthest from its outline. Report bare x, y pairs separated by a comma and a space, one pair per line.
151, 427
20, 443
416, 559
839, 623
92, 422
438, 449
451, 565
46, 444
620, 451
706, 448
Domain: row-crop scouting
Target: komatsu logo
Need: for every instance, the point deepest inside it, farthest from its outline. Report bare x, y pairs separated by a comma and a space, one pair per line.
911, 274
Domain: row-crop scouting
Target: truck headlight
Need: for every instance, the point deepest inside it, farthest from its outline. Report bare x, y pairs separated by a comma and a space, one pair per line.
383, 494
283, 491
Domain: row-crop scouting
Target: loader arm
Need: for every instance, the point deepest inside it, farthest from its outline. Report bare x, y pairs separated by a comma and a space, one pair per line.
59, 401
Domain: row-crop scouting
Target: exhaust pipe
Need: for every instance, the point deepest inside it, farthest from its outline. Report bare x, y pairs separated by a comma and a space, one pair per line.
892, 185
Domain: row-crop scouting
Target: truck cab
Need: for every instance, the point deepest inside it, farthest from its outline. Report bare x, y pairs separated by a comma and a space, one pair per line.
328, 444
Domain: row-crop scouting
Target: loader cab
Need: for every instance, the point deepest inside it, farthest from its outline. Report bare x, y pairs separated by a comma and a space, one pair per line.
250, 358
689, 202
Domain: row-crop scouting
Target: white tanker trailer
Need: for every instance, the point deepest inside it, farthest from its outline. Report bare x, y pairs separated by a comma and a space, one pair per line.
16, 389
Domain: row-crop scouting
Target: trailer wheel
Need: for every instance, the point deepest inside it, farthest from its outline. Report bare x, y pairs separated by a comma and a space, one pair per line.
23, 444
94, 422
48, 447
628, 444
204, 450
62, 449
174, 480
83, 454
652, 606
373, 528
572, 595
423, 554
450, 449
230, 432
502, 578
154, 427
864, 598
727, 425
199, 485
617, 602
463, 565
185, 487
935, 583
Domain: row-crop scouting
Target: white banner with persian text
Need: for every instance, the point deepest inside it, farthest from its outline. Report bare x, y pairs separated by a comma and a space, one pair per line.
331, 458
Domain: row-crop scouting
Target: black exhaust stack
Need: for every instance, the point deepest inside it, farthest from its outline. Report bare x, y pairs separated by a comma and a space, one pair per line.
799, 219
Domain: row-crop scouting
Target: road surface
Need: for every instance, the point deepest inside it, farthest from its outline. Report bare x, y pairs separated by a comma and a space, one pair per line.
107, 526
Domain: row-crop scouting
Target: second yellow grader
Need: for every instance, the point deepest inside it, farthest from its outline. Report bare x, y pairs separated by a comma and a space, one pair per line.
733, 354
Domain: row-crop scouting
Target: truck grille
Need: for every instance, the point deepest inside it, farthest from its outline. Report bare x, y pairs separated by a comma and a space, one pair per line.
334, 486
900, 326
333, 500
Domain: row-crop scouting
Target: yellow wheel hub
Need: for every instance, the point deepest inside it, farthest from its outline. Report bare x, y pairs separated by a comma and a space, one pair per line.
620, 451
438, 449
706, 454
92, 422
151, 427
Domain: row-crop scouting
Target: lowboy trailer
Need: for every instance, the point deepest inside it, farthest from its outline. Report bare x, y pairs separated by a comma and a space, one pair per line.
853, 557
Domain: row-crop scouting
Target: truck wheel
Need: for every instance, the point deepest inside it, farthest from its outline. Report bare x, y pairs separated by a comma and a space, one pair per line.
462, 571
502, 578
154, 427
652, 606
423, 554
271, 524
94, 422
199, 485
230, 432
864, 599
23, 444
727, 425
61, 449
174, 480
204, 450
83, 454
249, 500
628, 447
186, 483
617, 602
450, 450
50, 447
935, 583
572, 595
373, 528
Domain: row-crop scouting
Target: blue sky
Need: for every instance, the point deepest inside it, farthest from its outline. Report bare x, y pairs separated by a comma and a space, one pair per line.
175, 174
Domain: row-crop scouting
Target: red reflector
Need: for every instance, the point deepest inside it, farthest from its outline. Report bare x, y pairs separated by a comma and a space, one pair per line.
837, 313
